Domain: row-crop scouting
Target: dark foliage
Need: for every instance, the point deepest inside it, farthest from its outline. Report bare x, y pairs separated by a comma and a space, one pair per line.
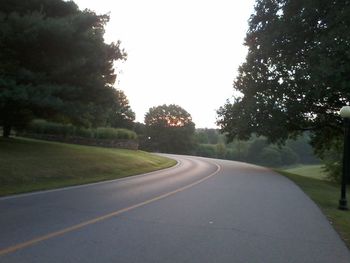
169, 128
121, 114
54, 63
297, 73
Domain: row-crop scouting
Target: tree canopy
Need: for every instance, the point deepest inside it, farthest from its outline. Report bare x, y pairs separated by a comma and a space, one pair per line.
54, 63
121, 114
170, 129
297, 72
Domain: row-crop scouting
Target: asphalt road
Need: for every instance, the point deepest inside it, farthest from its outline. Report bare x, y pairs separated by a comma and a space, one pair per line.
202, 210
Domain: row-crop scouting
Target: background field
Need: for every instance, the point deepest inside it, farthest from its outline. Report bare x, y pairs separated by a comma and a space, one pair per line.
312, 171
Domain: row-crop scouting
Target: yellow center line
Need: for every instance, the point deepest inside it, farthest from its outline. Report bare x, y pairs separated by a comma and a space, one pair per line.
31, 242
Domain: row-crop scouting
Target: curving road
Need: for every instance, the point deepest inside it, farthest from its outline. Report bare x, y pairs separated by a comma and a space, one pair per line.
202, 210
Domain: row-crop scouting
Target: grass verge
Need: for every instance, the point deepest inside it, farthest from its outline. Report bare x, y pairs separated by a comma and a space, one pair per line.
28, 165
326, 195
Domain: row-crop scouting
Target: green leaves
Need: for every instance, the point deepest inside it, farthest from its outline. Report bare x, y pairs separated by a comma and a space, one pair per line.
170, 129
53, 61
120, 114
296, 75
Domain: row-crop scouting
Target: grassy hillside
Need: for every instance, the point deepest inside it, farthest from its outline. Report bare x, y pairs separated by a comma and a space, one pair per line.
28, 165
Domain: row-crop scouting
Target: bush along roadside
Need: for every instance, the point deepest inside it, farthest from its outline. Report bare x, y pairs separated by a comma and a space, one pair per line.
68, 133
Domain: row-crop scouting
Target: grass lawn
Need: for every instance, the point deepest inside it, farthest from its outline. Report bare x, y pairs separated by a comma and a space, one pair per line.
28, 165
326, 195
312, 171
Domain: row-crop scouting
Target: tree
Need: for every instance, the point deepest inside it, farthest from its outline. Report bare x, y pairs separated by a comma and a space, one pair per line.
201, 136
213, 135
206, 150
54, 63
170, 129
255, 148
303, 149
297, 72
221, 150
238, 150
332, 161
288, 156
121, 114
270, 156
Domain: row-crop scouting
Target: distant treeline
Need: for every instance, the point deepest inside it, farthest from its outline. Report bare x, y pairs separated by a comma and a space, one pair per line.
205, 142
257, 150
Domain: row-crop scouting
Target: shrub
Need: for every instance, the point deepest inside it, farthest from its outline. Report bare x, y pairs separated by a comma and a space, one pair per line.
206, 150
51, 128
105, 133
126, 134
37, 126
83, 132
332, 160
113, 134
45, 127
270, 156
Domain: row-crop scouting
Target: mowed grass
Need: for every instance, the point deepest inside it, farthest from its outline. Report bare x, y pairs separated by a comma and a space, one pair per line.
312, 171
28, 165
326, 195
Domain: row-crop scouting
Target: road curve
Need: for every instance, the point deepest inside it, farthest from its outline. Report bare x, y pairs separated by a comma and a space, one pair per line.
201, 210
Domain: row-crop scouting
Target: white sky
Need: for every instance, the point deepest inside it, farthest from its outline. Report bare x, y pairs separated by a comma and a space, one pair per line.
184, 52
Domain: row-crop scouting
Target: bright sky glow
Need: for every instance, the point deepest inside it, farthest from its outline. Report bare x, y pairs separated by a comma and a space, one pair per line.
183, 52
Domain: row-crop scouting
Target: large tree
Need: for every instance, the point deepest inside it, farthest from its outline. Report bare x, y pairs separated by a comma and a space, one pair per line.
297, 72
121, 114
170, 129
54, 63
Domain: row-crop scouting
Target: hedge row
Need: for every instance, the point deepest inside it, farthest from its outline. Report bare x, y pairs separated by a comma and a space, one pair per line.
52, 128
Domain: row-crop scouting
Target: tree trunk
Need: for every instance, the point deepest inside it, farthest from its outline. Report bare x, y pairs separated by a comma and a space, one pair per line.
6, 131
